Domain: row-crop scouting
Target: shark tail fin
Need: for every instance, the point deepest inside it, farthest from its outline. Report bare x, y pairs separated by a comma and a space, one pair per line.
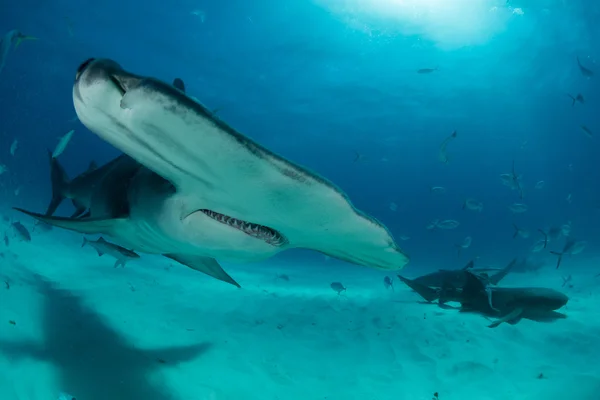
60, 184
497, 277
425, 292
22, 37
516, 231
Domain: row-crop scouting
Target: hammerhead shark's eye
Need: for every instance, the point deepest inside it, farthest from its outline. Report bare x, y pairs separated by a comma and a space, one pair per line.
82, 67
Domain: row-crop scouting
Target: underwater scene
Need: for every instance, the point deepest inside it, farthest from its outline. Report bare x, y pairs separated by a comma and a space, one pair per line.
300, 200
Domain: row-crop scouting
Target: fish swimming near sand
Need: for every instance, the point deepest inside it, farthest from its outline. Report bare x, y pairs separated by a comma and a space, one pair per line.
21, 231
426, 70
120, 253
206, 191
10, 39
568, 249
337, 287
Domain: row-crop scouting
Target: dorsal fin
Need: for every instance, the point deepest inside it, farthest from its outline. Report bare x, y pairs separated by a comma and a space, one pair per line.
178, 83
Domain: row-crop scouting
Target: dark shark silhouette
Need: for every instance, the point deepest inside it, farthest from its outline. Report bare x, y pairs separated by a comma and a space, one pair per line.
93, 361
508, 305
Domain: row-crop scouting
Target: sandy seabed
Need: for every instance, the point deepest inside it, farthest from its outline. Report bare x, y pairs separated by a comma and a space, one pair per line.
155, 330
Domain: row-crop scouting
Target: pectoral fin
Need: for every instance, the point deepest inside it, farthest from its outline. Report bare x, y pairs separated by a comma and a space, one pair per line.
88, 225
207, 265
512, 318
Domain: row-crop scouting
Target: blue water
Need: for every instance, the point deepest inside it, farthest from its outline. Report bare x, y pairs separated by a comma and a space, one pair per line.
319, 82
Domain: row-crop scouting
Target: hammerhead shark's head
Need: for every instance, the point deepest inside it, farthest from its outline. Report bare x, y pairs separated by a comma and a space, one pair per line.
207, 190
92, 360
506, 304
456, 278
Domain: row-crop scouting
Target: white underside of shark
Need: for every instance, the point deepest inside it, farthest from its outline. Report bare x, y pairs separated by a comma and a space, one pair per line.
233, 200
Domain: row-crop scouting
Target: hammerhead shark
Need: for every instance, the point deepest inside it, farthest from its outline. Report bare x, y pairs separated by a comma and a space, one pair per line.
505, 304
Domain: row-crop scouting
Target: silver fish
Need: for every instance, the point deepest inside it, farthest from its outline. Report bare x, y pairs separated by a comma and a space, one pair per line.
62, 143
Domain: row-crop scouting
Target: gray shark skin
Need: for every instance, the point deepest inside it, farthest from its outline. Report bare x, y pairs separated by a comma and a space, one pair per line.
506, 304
121, 196
456, 278
93, 361
84, 186
511, 304
231, 198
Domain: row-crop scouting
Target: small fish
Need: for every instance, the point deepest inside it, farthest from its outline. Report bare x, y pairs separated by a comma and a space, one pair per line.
337, 287
404, 237
577, 99
427, 70
518, 208
539, 184
120, 253
388, 283
442, 154
570, 198
3, 169
520, 232
10, 38
538, 246
393, 206
473, 205
578, 247
588, 73
283, 277
438, 190
13, 147
21, 231
446, 224
6, 240
588, 132
571, 247
62, 143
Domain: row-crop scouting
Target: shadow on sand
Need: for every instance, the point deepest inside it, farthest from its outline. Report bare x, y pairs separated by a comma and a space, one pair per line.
93, 361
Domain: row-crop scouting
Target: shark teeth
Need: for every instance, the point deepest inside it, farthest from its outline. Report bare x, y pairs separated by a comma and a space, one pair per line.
257, 231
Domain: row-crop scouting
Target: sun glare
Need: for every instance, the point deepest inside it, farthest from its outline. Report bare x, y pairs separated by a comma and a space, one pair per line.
447, 22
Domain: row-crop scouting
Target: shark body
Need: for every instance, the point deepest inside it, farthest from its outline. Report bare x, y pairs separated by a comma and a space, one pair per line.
194, 189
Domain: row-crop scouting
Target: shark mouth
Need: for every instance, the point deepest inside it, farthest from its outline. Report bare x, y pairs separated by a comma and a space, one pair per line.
268, 235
